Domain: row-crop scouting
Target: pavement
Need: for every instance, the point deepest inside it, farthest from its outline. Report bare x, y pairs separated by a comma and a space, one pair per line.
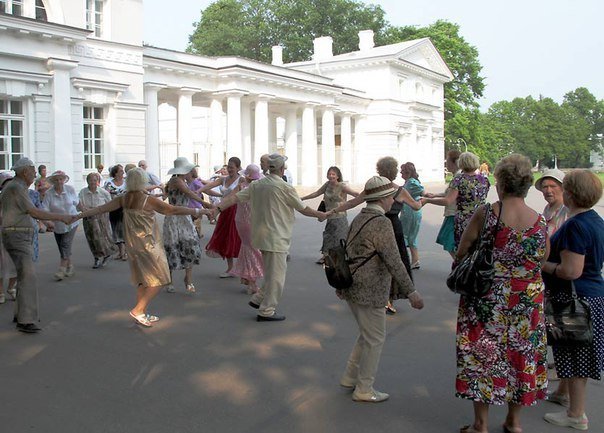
208, 366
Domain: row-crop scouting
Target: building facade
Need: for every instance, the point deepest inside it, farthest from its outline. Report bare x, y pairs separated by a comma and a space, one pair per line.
78, 88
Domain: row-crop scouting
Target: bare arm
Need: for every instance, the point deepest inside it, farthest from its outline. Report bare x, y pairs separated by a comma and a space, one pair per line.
448, 199
44, 215
317, 193
181, 186
309, 212
350, 203
164, 208
346, 189
107, 207
471, 233
406, 198
213, 184
570, 267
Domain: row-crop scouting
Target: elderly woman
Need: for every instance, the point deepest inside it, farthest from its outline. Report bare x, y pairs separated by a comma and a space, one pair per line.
225, 241
550, 185
577, 254
411, 218
96, 228
116, 186
62, 199
148, 265
8, 272
468, 190
501, 338
334, 193
181, 240
371, 236
41, 185
388, 168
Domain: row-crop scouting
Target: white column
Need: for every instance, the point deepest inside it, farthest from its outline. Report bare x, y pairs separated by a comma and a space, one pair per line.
246, 132
291, 143
309, 146
328, 144
234, 144
152, 153
185, 122
62, 137
261, 128
272, 133
216, 132
346, 146
364, 162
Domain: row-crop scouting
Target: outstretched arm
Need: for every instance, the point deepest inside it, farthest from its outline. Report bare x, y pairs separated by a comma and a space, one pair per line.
317, 193
442, 201
346, 189
310, 212
164, 208
405, 197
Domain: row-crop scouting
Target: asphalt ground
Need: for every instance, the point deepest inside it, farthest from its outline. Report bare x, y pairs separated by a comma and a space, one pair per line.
208, 366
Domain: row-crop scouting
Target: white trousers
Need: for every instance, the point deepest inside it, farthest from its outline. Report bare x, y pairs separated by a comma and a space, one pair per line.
275, 268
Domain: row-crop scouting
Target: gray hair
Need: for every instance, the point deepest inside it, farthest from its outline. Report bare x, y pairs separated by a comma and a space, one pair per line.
136, 180
468, 162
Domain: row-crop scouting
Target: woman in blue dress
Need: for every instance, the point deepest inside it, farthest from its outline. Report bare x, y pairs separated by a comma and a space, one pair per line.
411, 218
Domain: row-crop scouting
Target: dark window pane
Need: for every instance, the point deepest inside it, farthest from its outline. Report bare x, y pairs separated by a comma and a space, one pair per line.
98, 113
15, 157
17, 9
98, 131
16, 128
3, 6
3, 127
97, 146
17, 144
87, 131
3, 163
97, 161
87, 112
16, 107
2, 144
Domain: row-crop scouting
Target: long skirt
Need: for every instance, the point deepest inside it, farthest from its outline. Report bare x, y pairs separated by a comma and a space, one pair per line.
116, 218
446, 237
225, 241
98, 234
335, 230
249, 264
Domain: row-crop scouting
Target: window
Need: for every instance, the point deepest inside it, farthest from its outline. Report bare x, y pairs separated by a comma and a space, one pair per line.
14, 7
11, 132
94, 16
41, 11
93, 137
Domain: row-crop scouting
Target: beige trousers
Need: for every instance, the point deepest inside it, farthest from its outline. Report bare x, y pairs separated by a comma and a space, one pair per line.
365, 357
275, 268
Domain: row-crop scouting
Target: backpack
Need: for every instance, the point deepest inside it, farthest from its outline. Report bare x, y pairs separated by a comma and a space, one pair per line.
337, 268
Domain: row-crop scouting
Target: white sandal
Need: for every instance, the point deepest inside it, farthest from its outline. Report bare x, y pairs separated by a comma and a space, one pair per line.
141, 319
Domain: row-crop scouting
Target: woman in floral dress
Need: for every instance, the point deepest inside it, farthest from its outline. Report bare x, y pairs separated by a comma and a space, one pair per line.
248, 266
116, 186
501, 338
468, 189
411, 218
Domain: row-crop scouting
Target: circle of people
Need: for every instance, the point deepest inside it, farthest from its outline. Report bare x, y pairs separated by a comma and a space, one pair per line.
501, 338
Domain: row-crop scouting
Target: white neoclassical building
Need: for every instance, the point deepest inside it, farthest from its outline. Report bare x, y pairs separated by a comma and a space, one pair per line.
78, 87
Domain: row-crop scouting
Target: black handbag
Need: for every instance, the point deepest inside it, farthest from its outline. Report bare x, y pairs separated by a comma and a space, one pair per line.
569, 323
473, 276
336, 265
321, 207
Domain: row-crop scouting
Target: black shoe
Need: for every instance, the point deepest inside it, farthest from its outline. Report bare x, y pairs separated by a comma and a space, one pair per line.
105, 260
14, 319
273, 318
29, 328
97, 264
251, 304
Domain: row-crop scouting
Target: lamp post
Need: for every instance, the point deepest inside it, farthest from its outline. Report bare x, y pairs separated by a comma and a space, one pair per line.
461, 140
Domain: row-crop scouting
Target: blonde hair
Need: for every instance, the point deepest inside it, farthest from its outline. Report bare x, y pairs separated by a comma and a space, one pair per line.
468, 162
584, 187
514, 175
136, 180
387, 167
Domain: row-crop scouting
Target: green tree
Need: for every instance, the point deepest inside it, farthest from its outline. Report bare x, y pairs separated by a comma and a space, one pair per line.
249, 28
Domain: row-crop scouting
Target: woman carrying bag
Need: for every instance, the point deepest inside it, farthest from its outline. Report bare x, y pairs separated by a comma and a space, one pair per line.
577, 255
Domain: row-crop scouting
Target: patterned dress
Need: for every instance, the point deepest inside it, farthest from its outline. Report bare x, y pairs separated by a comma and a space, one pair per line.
501, 338
181, 240
249, 264
472, 192
336, 227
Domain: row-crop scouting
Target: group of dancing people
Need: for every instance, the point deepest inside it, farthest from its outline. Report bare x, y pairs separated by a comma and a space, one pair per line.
501, 341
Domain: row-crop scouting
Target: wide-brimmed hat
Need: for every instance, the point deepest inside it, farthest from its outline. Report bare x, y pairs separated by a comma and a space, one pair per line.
56, 174
252, 171
276, 161
378, 187
4, 176
182, 166
23, 162
552, 173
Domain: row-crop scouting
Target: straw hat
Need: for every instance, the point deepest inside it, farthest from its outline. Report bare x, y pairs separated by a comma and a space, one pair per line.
182, 166
552, 173
56, 174
379, 187
252, 171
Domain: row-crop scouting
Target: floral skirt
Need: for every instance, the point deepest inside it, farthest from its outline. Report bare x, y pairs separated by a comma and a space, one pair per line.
335, 230
98, 234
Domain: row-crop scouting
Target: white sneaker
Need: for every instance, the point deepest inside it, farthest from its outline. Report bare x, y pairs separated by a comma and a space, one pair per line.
59, 275
372, 396
69, 272
562, 419
170, 288
2, 298
225, 275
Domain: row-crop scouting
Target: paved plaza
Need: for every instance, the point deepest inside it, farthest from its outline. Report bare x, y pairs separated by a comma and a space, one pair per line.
208, 366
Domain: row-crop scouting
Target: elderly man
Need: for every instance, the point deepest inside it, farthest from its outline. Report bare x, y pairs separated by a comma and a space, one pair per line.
550, 185
17, 236
273, 202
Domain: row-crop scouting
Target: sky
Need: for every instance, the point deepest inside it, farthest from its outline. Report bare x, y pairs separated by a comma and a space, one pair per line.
526, 47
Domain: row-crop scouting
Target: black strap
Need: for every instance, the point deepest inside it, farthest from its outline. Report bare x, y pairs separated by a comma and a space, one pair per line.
366, 259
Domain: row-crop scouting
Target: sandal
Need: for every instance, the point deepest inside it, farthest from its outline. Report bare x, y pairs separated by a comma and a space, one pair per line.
190, 288
141, 319
468, 429
124, 257
151, 318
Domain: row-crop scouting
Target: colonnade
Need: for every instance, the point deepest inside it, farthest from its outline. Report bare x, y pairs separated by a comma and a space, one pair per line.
251, 130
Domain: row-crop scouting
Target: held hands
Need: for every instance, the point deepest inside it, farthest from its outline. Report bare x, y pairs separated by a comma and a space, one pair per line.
429, 195
416, 301
69, 219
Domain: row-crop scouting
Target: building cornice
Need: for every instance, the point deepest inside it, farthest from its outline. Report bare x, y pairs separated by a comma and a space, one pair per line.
85, 84
27, 26
28, 77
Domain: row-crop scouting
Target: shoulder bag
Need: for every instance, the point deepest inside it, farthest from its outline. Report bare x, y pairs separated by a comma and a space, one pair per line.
336, 265
569, 323
473, 276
